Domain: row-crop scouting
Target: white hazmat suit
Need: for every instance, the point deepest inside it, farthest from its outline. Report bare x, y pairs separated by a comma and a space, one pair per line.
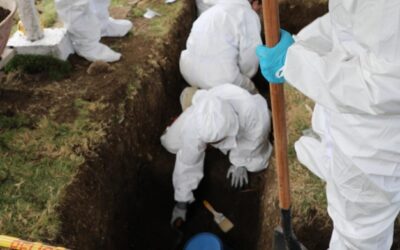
228, 118
221, 46
348, 62
30, 19
87, 21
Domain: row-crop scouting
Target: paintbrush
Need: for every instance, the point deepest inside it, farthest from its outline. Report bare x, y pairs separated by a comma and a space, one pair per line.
224, 223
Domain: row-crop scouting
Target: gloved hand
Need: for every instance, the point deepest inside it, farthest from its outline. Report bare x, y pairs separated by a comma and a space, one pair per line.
273, 59
179, 212
238, 176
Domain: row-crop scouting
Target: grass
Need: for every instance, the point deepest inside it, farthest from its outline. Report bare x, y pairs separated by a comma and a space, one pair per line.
308, 191
118, 2
54, 68
48, 16
39, 159
160, 25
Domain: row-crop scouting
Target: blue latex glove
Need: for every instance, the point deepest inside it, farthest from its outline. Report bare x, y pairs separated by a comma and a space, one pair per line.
273, 59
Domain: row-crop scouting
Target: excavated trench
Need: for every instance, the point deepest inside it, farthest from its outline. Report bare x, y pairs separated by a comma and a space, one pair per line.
126, 201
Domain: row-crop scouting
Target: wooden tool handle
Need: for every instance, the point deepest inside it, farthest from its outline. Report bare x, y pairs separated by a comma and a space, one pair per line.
272, 33
209, 207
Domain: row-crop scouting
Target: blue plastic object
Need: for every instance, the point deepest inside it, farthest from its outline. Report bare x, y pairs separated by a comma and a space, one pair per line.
273, 59
204, 241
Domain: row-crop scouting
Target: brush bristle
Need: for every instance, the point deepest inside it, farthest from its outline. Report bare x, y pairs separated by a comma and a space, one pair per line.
226, 225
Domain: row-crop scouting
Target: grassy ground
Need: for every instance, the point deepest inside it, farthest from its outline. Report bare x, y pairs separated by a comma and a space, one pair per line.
48, 14
308, 191
40, 156
38, 160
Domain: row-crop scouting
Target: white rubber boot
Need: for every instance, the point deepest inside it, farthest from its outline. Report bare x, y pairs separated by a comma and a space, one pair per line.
97, 52
116, 27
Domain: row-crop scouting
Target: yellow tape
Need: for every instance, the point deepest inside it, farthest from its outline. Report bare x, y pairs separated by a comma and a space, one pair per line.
18, 244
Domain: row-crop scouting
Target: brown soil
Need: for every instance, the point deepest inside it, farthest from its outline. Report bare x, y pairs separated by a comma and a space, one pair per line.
122, 197
3, 14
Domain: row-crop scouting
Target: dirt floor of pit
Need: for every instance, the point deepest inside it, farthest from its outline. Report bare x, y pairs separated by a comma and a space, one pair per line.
155, 205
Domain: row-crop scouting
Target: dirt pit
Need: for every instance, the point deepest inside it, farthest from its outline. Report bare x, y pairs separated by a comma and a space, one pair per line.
3, 14
243, 207
155, 205
122, 196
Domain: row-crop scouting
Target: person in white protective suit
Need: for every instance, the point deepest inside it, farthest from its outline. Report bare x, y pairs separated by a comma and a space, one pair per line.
228, 118
221, 46
348, 62
87, 21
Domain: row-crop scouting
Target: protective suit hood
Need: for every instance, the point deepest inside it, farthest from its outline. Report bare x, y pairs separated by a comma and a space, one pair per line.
215, 119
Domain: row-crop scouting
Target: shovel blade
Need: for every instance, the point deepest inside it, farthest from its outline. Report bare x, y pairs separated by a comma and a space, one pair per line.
286, 243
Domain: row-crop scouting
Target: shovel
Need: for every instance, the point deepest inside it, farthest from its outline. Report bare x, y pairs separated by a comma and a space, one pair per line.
284, 238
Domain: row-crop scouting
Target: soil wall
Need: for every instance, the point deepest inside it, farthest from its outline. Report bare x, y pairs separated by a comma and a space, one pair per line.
101, 204
117, 191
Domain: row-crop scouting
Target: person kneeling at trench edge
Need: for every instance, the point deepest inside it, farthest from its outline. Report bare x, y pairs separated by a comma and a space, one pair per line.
221, 46
226, 117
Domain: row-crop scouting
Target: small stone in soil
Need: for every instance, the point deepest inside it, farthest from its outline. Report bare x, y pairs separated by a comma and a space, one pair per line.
99, 67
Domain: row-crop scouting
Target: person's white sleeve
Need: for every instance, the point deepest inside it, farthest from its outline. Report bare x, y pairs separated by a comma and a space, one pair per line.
339, 81
253, 149
250, 38
188, 170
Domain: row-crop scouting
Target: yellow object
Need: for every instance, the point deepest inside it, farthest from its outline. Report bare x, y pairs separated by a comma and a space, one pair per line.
21, 28
18, 244
224, 223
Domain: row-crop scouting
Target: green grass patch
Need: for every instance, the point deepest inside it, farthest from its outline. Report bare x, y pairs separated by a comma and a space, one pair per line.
48, 16
118, 2
161, 25
308, 190
38, 160
138, 12
54, 68
14, 122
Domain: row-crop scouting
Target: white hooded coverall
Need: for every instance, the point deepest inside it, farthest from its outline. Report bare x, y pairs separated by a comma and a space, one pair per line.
87, 21
224, 112
348, 62
221, 46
